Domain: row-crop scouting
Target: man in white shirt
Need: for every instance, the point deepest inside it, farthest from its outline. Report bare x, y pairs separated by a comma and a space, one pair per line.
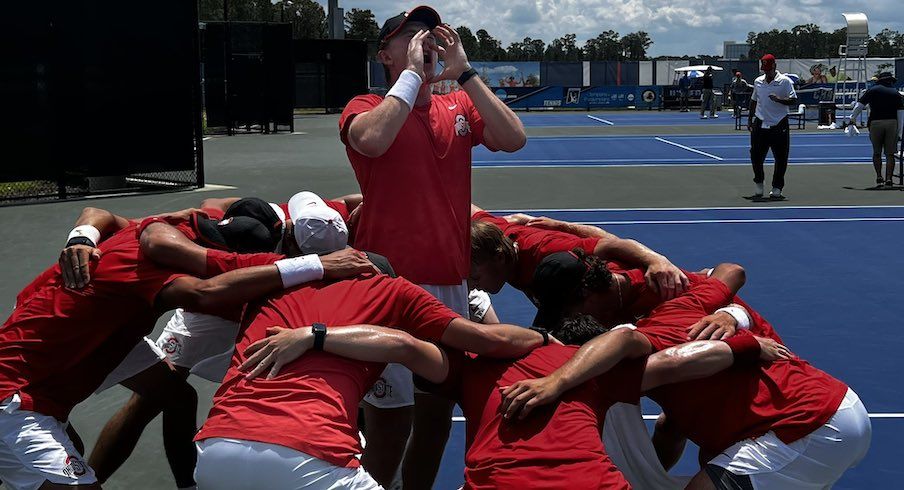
773, 93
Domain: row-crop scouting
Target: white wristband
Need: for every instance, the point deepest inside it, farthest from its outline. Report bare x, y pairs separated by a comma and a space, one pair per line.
406, 88
299, 270
86, 231
739, 313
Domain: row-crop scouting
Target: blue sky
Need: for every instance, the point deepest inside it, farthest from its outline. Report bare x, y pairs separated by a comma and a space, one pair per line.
677, 27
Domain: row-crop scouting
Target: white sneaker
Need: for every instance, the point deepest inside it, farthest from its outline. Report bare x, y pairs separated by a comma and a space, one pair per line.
759, 190
776, 193
715, 116
703, 116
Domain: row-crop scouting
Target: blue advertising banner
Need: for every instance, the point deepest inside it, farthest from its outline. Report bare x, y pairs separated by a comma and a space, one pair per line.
613, 96
547, 97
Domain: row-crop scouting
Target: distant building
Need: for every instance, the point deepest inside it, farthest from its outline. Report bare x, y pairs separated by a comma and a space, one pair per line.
336, 20
734, 51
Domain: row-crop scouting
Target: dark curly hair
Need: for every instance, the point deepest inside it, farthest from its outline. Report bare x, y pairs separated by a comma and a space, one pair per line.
578, 330
597, 278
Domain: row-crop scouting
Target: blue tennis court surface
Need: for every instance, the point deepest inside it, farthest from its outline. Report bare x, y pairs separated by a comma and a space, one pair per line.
827, 278
681, 150
625, 118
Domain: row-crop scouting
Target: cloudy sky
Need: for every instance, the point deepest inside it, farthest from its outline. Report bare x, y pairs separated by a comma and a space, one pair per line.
676, 26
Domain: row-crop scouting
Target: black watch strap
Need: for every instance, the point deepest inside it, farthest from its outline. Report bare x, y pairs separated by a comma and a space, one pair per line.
470, 72
319, 331
543, 332
81, 240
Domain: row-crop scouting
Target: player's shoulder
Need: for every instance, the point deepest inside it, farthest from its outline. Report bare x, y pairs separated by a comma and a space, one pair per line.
760, 79
364, 100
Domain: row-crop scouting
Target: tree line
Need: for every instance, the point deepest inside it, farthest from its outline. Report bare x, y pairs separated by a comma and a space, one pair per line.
308, 21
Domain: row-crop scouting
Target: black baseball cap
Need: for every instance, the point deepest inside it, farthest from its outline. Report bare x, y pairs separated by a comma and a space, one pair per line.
886, 78
237, 234
556, 281
382, 263
260, 210
423, 14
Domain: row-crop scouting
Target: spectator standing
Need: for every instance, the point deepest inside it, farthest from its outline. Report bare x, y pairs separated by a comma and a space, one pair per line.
707, 101
886, 118
684, 88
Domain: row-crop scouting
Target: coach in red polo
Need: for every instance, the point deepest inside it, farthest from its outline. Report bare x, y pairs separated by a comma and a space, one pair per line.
411, 152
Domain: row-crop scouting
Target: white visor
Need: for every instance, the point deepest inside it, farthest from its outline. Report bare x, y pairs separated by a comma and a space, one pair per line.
319, 228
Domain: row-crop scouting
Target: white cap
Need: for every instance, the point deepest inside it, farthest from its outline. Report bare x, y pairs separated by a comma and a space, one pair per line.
319, 228
279, 214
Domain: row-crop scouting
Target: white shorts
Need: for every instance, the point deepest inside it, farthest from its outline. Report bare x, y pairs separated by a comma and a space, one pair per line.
815, 462
35, 448
232, 464
195, 340
395, 388
144, 355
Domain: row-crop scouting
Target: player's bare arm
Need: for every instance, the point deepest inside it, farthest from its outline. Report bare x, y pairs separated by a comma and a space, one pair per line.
369, 343
503, 130
499, 340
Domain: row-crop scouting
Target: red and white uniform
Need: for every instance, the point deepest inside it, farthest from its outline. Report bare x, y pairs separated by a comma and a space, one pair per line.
57, 347
783, 401
534, 244
559, 445
312, 406
417, 210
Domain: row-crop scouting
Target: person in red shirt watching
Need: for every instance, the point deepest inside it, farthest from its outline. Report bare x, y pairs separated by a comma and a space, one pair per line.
782, 424
559, 448
298, 427
411, 150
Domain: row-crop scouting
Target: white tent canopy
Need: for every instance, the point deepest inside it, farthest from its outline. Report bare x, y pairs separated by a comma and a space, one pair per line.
698, 68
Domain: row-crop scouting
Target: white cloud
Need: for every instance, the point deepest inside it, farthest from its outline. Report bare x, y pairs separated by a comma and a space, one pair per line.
677, 27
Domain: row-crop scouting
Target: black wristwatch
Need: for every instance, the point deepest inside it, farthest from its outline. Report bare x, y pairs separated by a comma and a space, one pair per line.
319, 331
470, 72
543, 332
80, 240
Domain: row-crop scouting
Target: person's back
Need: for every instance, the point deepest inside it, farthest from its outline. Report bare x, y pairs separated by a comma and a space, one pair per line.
884, 102
556, 446
59, 344
311, 406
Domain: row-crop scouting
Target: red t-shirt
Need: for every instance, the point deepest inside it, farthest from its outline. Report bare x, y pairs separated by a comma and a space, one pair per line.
791, 398
312, 405
557, 444
59, 344
418, 193
534, 244
647, 299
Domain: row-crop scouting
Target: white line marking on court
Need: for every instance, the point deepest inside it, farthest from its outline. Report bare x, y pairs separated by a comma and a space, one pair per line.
604, 121
725, 208
675, 165
654, 417
745, 135
207, 138
776, 220
688, 148
298, 132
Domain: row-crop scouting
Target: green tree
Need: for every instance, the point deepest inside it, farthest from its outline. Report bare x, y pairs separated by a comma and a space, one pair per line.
564, 48
886, 44
307, 17
488, 47
604, 47
468, 41
635, 45
361, 24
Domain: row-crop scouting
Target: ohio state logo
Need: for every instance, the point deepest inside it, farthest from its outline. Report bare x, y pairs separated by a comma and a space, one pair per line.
171, 346
381, 389
74, 467
462, 127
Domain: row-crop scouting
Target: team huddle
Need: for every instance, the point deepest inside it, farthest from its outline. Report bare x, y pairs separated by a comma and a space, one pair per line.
368, 316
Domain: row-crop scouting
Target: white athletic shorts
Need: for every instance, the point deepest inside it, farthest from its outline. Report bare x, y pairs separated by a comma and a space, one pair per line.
815, 462
202, 343
35, 448
232, 464
395, 388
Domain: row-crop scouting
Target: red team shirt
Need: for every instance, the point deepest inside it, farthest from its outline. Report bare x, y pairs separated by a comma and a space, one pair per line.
789, 397
556, 443
312, 405
59, 344
418, 193
534, 244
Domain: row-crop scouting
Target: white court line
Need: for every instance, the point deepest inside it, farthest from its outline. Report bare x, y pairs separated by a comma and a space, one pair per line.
775, 220
688, 148
740, 160
604, 121
633, 136
865, 145
675, 165
654, 417
725, 208
207, 138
